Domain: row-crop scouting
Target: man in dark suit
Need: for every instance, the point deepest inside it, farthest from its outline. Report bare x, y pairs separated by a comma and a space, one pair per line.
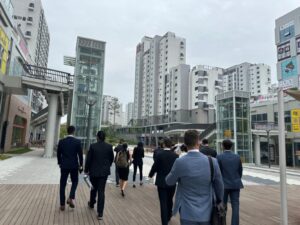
162, 166
98, 162
158, 150
232, 171
117, 150
70, 160
206, 150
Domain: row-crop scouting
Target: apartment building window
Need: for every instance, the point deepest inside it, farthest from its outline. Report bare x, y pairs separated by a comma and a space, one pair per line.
28, 33
31, 5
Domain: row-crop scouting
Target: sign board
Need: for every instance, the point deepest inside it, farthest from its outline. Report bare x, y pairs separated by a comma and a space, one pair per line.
228, 134
289, 83
288, 68
295, 115
265, 126
4, 46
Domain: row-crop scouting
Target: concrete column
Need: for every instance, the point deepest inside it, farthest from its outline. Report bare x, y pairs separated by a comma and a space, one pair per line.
257, 150
57, 130
51, 125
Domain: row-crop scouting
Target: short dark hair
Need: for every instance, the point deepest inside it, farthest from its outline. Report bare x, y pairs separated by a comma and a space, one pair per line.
140, 145
101, 135
121, 141
227, 144
125, 146
191, 138
161, 143
205, 142
167, 142
71, 130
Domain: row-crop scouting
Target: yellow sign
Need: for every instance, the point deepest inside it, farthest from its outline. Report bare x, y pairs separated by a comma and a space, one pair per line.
4, 46
228, 134
295, 114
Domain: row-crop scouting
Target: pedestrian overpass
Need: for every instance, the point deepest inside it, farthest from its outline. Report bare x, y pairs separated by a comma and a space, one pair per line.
56, 86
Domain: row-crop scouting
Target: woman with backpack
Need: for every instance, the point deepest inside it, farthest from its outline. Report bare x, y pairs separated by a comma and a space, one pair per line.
138, 155
123, 163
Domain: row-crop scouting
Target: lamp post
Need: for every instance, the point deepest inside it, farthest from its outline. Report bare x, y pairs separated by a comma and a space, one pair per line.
90, 101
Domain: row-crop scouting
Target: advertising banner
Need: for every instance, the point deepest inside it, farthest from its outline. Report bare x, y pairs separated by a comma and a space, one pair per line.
295, 114
4, 46
289, 68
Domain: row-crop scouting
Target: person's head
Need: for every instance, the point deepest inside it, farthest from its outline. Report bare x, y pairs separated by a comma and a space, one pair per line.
121, 141
205, 142
183, 148
140, 145
191, 139
101, 136
125, 146
71, 130
167, 143
227, 144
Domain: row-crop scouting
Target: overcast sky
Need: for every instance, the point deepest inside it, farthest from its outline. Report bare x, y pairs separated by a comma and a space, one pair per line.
218, 32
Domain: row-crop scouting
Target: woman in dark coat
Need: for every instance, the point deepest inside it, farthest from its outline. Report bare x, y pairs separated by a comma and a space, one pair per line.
138, 155
123, 160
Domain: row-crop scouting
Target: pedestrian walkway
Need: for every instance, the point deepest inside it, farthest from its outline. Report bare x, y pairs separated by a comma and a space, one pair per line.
37, 204
29, 194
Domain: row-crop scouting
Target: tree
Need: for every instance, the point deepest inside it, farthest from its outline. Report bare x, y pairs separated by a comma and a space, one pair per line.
114, 109
63, 131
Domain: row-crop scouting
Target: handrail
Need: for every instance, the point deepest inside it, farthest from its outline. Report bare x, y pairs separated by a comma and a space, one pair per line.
46, 74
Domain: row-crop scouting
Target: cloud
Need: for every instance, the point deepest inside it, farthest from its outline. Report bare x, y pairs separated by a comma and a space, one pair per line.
218, 32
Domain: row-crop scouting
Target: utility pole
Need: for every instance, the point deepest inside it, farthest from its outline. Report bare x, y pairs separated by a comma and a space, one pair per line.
90, 102
282, 160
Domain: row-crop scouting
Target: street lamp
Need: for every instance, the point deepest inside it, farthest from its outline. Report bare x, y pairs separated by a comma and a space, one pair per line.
90, 101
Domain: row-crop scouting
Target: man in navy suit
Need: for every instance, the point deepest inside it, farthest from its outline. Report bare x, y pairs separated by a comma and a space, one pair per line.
70, 160
232, 171
194, 195
162, 166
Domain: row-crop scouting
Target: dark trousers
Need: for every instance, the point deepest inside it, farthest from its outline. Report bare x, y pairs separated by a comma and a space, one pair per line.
186, 222
166, 203
63, 183
98, 188
235, 204
135, 166
117, 175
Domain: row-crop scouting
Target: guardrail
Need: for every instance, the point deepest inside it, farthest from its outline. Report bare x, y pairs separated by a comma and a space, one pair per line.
46, 74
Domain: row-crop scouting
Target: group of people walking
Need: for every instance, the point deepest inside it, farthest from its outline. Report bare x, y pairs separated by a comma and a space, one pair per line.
200, 178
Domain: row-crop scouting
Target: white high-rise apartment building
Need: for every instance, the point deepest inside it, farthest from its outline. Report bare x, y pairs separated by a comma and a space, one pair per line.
253, 78
205, 84
30, 17
154, 59
177, 89
129, 113
111, 115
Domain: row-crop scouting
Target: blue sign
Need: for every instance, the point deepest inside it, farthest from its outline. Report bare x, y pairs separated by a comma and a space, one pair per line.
289, 68
287, 32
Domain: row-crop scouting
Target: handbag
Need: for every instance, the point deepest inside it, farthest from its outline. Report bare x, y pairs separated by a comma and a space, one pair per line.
218, 216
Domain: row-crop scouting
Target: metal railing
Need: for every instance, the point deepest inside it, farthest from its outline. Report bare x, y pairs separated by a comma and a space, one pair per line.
46, 74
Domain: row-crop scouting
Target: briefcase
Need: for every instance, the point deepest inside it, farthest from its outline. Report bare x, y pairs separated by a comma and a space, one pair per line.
218, 216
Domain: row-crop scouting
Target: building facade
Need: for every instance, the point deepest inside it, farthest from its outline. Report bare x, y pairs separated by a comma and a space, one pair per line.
129, 113
88, 86
30, 17
112, 111
253, 78
154, 59
205, 84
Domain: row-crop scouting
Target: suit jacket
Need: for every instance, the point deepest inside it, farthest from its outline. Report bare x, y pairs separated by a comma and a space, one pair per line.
156, 152
69, 153
138, 155
232, 170
162, 166
99, 159
195, 187
208, 151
